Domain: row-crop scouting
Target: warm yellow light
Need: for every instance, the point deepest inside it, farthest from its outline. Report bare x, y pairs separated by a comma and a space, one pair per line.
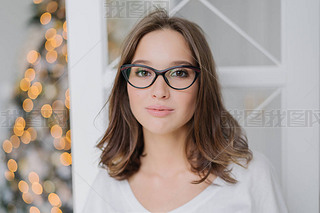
49, 186
25, 84
64, 49
20, 122
26, 137
30, 74
33, 92
67, 94
37, 1
54, 200
46, 111
67, 103
17, 129
48, 45
23, 186
27, 105
45, 18
38, 85
57, 41
12, 165
57, 106
15, 141
65, 26
66, 159
65, 35
50, 33
68, 135
59, 143
9, 175
27, 198
34, 209
37, 188
56, 131
33, 133
33, 56
55, 210
33, 177
52, 6
7, 146
51, 56
67, 58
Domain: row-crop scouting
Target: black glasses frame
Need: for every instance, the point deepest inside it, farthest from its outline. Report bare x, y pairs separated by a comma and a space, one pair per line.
159, 72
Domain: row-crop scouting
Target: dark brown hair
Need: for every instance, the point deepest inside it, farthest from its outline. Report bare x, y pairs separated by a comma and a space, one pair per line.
216, 138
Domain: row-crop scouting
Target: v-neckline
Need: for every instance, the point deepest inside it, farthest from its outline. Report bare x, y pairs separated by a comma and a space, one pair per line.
194, 202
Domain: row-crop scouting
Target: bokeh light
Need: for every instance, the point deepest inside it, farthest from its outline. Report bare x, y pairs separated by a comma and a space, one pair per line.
12, 165
56, 131
30, 74
46, 111
54, 200
7, 146
66, 159
27, 105
45, 18
25, 84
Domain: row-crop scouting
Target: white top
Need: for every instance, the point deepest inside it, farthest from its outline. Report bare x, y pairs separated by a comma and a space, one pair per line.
257, 191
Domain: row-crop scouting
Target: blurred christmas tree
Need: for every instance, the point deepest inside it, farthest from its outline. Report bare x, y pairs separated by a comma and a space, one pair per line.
38, 158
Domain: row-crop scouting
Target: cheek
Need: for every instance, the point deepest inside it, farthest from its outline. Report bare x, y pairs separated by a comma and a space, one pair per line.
135, 99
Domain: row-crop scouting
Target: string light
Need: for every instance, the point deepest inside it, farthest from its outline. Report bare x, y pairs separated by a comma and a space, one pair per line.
9, 175
54, 200
7, 146
56, 131
26, 137
45, 18
46, 111
50, 33
30, 74
33, 56
33, 133
55, 210
52, 6
37, 1
66, 159
15, 141
37, 188
51, 56
33, 177
12, 165
25, 84
27, 105
34, 209
27, 198
23, 186
38, 85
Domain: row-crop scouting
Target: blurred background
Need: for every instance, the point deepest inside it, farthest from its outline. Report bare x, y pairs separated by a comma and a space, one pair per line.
56, 76
35, 133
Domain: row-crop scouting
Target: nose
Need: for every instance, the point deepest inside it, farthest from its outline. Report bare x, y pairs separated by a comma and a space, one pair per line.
160, 89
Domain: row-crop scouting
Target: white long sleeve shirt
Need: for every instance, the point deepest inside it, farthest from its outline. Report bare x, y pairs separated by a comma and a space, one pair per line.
257, 191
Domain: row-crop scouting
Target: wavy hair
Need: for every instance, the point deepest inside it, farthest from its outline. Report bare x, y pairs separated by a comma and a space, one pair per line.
216, 138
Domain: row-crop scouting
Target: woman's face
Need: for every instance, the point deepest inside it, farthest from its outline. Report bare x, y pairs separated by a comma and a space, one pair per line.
162, 49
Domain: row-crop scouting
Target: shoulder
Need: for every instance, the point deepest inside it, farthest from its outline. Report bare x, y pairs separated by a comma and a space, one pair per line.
261, 183
260, 166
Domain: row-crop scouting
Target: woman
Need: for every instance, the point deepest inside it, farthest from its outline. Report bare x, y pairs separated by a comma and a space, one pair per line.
171, 146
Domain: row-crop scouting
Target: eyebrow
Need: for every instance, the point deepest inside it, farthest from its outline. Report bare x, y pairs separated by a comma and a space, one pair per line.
174, 63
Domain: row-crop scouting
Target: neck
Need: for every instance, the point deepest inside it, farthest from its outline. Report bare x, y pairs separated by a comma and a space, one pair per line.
165, 154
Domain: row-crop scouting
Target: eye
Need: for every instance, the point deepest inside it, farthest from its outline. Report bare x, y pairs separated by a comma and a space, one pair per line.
143, 73
179, 73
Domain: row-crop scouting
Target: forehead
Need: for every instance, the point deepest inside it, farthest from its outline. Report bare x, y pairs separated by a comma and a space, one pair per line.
162, 47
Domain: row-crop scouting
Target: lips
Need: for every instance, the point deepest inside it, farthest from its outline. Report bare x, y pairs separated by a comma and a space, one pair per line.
159, 108
159, 111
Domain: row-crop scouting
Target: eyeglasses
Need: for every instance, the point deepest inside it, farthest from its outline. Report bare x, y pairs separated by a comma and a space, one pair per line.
177, 77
